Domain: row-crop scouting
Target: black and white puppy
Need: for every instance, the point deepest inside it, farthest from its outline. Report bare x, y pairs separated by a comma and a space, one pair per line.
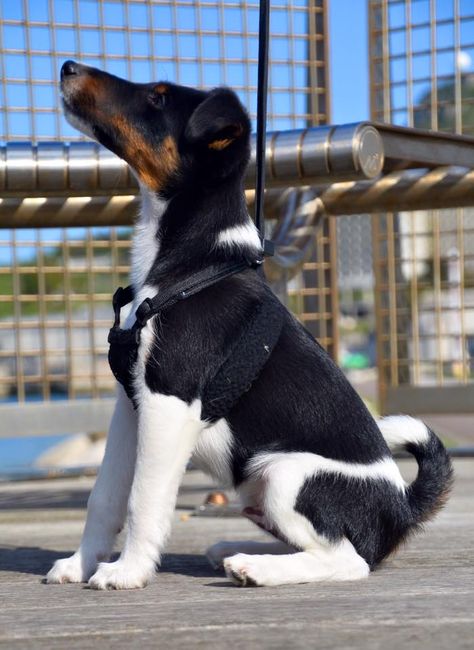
310, 463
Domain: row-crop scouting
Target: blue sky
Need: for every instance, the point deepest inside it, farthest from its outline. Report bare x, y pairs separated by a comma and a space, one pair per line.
349, 68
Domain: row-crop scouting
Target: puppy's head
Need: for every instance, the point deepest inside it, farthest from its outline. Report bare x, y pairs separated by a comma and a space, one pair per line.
170, 135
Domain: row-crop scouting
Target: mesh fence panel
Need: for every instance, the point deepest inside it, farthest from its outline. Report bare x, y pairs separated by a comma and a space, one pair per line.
422, 75
56, 284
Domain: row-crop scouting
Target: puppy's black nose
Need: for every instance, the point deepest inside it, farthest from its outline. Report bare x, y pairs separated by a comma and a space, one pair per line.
69, 68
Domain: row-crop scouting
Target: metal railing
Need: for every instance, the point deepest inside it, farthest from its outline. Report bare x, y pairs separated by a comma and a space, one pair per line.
67, 322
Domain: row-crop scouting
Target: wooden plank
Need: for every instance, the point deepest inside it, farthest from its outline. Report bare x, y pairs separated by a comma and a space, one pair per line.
420, 598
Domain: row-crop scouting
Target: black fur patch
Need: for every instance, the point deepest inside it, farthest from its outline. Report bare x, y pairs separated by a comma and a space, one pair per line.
373, 514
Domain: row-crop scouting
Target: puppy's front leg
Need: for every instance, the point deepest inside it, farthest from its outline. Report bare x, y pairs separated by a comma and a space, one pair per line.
107, 503
168, 429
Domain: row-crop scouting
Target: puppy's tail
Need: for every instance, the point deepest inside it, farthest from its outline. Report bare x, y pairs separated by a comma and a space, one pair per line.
430, 490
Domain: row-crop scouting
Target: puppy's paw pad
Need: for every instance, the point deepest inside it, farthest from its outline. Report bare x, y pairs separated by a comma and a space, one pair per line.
69, 569
119, 575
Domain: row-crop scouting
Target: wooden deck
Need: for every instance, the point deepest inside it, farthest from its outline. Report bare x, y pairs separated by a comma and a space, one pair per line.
421, 598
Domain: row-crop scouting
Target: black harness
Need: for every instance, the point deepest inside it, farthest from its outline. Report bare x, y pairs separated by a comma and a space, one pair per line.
245, 361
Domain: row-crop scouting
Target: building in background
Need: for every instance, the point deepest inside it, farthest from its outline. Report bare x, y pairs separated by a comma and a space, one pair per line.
422, 75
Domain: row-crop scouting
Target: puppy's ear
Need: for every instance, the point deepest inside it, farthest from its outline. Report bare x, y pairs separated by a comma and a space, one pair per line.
218, 122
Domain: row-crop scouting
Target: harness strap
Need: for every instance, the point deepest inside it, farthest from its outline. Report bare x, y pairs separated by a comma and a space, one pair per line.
186, 288
179, 291
121, 298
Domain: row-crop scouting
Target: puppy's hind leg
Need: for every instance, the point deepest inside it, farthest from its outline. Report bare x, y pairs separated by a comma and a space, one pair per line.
318, 560
338, 563
251, 495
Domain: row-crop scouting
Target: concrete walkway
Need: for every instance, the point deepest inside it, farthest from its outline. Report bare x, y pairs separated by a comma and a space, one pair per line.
421, 598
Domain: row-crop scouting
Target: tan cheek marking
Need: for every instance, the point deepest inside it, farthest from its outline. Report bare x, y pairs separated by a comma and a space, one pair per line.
90, 95
170, 155
91, 85
90, 90
153, 167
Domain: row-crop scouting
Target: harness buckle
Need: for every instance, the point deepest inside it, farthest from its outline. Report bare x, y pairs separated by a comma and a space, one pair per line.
144, 312
254, 262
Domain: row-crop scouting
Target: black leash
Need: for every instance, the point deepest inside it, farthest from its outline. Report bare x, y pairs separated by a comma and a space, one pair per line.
262, 94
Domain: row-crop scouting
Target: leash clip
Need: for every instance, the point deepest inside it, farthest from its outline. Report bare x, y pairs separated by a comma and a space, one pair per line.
268, 248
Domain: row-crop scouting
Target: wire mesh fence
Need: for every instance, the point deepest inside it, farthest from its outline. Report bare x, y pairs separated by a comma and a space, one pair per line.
56, 283
191, 43
422, 75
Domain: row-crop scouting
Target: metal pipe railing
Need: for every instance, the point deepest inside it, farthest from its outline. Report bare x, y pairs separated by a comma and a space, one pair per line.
298, 213
83, 184
314, 156
299, 157
417, 189
446, 187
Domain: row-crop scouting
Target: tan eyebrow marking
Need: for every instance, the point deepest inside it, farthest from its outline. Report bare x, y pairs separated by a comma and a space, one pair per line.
161, 89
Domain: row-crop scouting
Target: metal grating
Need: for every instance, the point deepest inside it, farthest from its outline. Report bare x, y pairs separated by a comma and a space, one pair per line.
56, 283
55, 291
422, 63
422, 75
191, 43
313, 294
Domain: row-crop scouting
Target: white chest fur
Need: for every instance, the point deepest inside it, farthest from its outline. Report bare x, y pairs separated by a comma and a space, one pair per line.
213, 451
145, 248
146, 243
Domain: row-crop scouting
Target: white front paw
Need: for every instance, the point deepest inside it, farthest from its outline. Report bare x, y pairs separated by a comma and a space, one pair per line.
71, 569
246, 570
121, 575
